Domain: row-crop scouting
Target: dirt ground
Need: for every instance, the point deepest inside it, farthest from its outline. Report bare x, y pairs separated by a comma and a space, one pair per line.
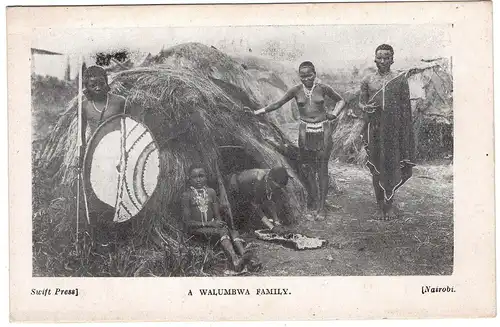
419, 243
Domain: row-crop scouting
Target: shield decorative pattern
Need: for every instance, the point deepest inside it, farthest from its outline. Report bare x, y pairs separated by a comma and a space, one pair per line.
122, 166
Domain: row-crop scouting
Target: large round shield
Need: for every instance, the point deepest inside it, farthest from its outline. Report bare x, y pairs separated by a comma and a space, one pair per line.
121, 167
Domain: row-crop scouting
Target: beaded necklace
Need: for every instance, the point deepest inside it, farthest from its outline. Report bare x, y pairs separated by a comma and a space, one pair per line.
201, 200
103, 109
309, 93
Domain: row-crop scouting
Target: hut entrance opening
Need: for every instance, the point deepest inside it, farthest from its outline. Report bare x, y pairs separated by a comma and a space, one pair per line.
235, 159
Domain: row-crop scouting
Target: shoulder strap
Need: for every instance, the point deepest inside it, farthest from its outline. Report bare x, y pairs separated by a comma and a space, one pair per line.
104, 109
102, 115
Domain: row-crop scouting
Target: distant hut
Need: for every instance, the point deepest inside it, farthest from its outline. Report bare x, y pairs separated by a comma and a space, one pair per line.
50, 87
431, 94
431, 90
45, 62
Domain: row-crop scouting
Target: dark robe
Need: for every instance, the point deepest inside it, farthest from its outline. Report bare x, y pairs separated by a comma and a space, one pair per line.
388, 132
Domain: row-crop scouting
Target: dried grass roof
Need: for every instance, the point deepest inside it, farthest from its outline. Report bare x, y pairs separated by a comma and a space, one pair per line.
190, 117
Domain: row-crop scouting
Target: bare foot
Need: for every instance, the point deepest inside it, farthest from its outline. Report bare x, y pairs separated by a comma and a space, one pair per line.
309, 216
398, 211
238, 265
333, 206
379, 212
338, 190
311, 204
254, 265
321, 214
389, 212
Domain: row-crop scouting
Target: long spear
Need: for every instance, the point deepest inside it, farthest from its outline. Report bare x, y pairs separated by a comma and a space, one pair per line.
79, 144
223, 197
80, 136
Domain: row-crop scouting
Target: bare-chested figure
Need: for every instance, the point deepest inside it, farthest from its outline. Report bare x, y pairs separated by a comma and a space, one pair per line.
202, 217
98, 104
315, 130
261, 191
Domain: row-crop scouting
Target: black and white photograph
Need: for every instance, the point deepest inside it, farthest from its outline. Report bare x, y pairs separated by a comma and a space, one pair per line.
255, 150
257, 162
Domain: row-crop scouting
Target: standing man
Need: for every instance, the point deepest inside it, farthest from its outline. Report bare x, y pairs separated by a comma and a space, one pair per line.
98, 104
388, 131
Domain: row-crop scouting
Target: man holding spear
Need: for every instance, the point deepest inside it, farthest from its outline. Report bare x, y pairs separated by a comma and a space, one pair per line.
388, 131
95, 105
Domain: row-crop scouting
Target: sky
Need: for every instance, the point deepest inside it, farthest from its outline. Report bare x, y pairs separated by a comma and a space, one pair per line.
328, 46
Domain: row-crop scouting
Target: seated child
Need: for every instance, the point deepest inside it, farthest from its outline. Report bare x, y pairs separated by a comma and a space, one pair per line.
201, 217
261, 190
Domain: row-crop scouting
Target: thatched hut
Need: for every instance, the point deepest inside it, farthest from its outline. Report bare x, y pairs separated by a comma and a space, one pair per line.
431, 89
250, 81
215, 65
273, 80
193, 120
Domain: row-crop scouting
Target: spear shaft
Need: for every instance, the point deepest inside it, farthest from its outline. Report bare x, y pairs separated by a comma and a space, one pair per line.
79, 143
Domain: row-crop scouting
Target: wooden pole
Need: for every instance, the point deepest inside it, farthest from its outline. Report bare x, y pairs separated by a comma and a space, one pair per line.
223, 197
79, 143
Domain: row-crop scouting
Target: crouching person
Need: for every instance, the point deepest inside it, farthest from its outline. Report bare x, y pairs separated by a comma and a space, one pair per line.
262, 191
201, 217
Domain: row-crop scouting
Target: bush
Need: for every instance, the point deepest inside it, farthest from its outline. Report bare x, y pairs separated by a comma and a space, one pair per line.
49, 98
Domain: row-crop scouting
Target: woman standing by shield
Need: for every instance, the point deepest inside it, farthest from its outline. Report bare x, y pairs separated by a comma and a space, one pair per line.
315, 130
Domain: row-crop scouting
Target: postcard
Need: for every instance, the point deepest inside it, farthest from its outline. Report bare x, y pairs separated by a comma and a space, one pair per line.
251, 162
